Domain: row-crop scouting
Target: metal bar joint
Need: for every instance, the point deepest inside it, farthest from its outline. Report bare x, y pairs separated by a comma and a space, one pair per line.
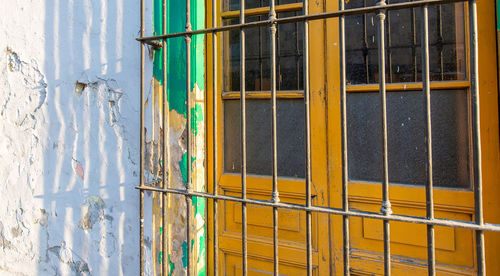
155, 44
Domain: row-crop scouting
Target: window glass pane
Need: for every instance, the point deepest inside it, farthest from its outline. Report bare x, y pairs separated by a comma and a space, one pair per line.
234, 5
289, 46
406, 137
402, 40
290, 119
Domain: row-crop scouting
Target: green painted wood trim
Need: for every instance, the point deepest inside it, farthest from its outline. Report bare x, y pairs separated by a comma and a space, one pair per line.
176, 79
176, 66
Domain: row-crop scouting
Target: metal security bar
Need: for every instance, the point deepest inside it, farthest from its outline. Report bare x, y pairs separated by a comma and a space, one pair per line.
385, 214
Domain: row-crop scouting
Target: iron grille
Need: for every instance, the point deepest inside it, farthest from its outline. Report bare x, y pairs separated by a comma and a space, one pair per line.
385, 214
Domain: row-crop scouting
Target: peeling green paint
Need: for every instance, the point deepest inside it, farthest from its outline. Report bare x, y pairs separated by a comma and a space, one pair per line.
157, 30
199, 204
176, 67
175, 83
202, 271
160, 257
197, 116
171, 265
202, 243
183, 167
184, 254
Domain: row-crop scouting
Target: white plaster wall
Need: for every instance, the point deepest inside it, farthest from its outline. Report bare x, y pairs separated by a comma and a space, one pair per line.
69, 136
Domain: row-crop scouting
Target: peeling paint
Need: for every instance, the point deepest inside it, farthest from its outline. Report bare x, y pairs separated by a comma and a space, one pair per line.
28, 75
43, 219
69, 138
92, 212
78, 168
183, 167
176, 133
67, 256
16, 231
4, 242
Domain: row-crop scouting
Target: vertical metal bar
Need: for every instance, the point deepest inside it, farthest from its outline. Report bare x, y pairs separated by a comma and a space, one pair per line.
215, 137
165, 160
431, 258
189, 187
386, 204
307, 106
478, 181
243, 142
275, 195
345, 171
141, 151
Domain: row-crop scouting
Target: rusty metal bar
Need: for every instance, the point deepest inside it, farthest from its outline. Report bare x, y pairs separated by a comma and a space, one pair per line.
155, 44
189, 187
244, 249
215, 142
165, 156
274, 134
386, 204
429, 196
141, 150
478, 180
335, 211
307, 123
345, 171
316, 16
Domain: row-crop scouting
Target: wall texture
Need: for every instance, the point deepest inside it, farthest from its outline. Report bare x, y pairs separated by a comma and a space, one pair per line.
69, 135
175, 134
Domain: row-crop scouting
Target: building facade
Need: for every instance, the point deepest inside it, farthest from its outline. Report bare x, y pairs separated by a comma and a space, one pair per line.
203, 137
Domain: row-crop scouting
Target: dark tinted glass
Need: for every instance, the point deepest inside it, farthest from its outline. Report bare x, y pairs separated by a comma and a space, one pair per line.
406, 137
403, 35
290, 127
289, 46
233, 5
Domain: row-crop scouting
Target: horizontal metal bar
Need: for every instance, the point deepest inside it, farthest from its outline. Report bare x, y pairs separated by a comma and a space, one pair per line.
155, 44
334, 211
297, 18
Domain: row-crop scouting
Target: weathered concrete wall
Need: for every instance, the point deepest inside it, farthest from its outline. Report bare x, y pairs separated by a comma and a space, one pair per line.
69, 135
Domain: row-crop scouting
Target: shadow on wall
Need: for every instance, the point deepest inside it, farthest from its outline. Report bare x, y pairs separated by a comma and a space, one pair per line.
90, 158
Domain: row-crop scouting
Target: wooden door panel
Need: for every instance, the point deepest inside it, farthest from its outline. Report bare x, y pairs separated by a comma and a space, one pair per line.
409, 234
291, 224
259, 266
372, 263
291, 232
454, 246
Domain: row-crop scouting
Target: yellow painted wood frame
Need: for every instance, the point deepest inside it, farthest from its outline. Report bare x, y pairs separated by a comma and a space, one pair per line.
291, 223
408, 247
455, 250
